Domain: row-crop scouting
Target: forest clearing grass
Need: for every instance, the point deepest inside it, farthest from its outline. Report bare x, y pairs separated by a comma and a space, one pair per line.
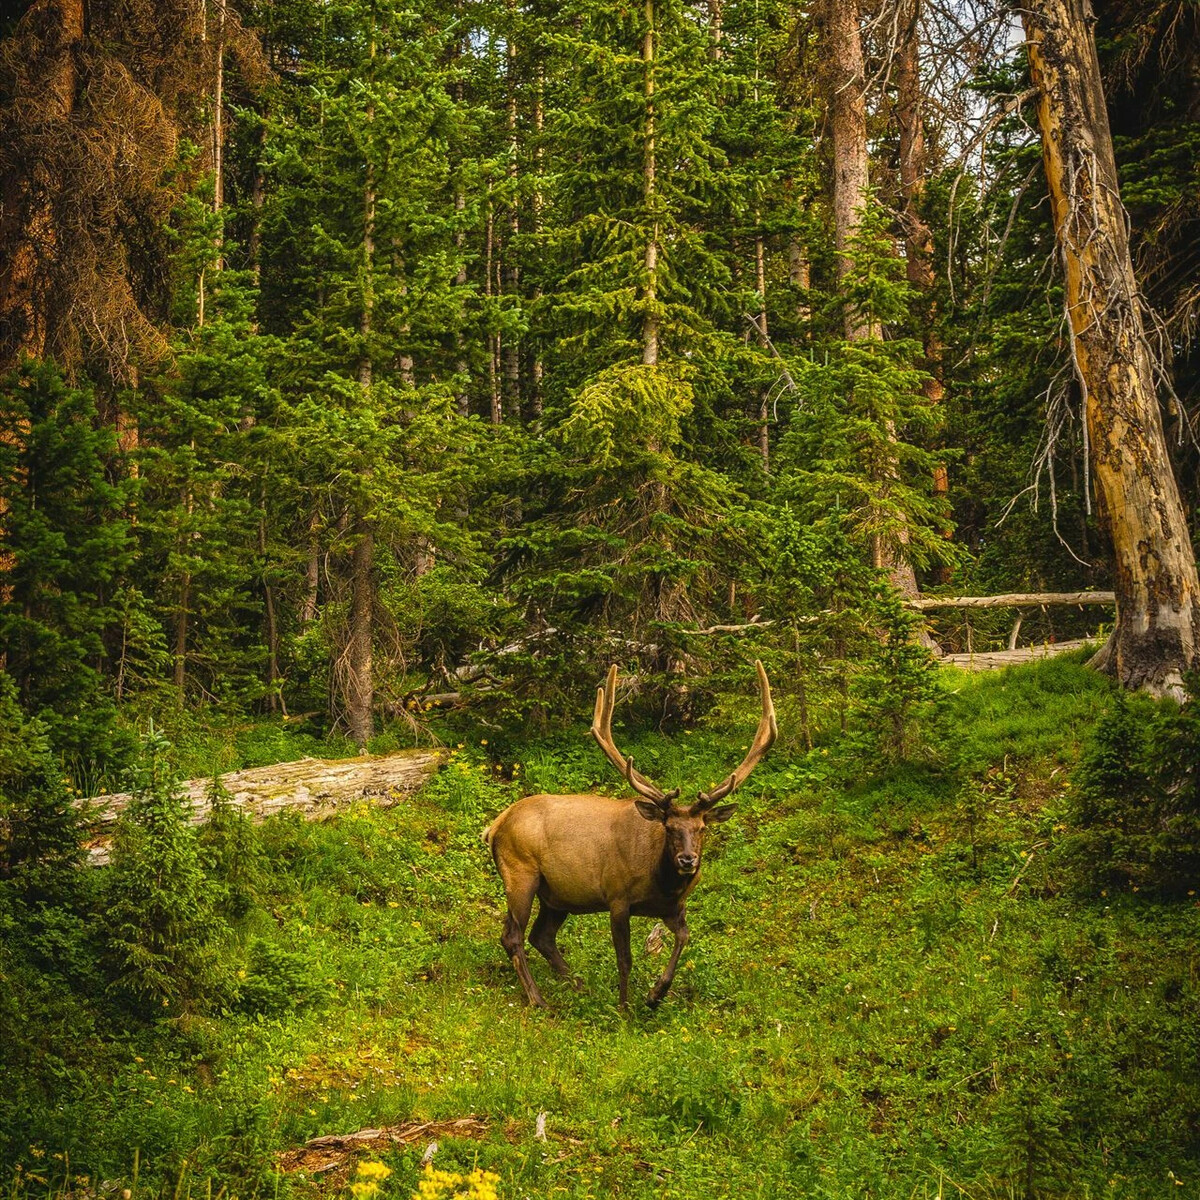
888, 992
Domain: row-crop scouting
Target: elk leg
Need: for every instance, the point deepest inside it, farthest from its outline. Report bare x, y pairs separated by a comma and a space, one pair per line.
678, 926
619, 920
543, 938
520, 892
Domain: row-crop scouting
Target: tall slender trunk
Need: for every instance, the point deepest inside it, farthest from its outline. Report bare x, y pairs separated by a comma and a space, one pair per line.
512, 270
1157, 634
918, 239
272, 623
650, 312
495, 401
218, 125
800, 277
462, 397
536, 402
312, 577
845, 89
760, 277
360, 684
360, 690
184, 603
258, 191
845, 86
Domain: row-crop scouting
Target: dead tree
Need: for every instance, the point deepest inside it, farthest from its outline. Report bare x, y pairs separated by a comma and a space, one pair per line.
1157, 634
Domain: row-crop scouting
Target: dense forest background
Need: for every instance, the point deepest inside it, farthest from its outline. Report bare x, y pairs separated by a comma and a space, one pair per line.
361, 351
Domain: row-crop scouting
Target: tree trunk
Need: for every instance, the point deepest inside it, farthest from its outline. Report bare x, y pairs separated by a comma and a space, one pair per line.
918, 240
764, 341
845, 89
1157, 634
495, 404
845, 86
512, 270
360, 683
649, 169
360, 687
272, 623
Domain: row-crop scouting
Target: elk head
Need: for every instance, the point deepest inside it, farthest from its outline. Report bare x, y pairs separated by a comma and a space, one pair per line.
684, 824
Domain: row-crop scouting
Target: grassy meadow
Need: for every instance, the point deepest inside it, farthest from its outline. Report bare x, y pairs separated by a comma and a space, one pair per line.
891, 990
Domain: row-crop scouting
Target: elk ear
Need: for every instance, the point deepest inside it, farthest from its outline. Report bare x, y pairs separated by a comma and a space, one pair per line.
651, 811
722, 812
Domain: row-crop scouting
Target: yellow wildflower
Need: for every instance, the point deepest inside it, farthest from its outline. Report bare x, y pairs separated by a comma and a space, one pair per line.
373, 1170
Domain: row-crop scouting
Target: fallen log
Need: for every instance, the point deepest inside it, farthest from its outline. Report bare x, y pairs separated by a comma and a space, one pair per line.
1012, 600
314, 787
992, 660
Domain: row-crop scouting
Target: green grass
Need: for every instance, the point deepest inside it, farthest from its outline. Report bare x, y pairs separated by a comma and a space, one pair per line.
888, 993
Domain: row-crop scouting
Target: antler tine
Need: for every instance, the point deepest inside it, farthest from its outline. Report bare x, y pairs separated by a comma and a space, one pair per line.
767, 732
606, 696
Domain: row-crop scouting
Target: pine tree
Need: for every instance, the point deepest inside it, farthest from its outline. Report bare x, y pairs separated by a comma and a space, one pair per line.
65, 552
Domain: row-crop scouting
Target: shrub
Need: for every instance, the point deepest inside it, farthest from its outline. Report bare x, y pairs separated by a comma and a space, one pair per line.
162, 921
1135, 809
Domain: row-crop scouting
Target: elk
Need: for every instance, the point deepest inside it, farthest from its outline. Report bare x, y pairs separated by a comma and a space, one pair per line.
590, 853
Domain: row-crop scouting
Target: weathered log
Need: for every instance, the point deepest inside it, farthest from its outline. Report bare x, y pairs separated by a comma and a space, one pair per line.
315, 787
991, 660
1012, 600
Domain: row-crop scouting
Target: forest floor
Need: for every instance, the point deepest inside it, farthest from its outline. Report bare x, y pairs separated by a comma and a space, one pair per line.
889, 992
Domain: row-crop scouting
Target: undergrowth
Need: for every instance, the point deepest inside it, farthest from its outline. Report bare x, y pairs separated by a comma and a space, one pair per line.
894, 987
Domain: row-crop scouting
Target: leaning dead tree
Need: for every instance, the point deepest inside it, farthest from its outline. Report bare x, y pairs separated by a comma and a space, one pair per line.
1157, 634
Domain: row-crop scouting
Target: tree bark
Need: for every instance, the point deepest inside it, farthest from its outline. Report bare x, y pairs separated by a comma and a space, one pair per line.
918, 239
845, 89
845, 86
764, 341
1157, 633
512, 270
360, 687
315, 787
649, 183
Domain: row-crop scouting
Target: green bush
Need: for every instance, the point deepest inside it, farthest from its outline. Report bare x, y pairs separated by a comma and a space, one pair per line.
273, 981
161, 915
1134, 816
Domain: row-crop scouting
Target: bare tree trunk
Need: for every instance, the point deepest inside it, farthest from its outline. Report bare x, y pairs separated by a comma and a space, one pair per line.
512, 271
536, 400
1157, 634
649, 168
495, 404
360, 688
800, 276
218, 126
272, 623
360, 683
845, 84
918, 239
764, 341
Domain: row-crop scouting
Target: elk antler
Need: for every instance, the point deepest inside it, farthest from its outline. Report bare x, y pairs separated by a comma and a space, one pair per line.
602, 731
767, 732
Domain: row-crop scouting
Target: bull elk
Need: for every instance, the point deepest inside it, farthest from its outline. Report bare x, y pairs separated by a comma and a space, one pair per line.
589, 853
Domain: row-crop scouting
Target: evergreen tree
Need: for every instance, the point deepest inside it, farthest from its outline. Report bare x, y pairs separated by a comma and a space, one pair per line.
65, 550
